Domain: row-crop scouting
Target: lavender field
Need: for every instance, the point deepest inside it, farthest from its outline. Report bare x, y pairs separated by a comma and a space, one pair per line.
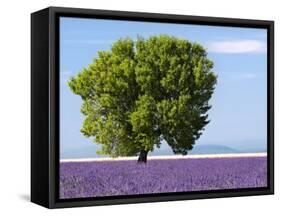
109, 178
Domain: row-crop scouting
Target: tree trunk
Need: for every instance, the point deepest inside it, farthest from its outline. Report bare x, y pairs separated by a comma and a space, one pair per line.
143, 156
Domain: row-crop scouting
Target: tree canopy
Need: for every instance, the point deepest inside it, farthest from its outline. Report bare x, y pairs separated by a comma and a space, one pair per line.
141, 92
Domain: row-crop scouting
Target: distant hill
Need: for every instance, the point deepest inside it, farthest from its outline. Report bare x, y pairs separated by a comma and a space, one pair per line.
199, 149
212, 149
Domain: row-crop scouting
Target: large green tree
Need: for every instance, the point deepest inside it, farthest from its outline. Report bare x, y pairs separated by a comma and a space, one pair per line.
141, 92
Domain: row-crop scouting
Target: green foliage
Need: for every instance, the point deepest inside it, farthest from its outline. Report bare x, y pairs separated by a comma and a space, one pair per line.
138, 93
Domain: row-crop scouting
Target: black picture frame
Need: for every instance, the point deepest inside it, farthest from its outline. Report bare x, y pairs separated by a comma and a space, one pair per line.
45, 106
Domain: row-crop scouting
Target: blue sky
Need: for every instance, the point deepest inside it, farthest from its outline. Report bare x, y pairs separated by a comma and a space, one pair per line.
238, 114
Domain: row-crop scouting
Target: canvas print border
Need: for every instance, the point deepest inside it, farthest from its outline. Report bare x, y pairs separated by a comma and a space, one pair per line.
53, 14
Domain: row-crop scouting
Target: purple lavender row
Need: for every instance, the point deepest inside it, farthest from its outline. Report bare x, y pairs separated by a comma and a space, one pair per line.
110, 178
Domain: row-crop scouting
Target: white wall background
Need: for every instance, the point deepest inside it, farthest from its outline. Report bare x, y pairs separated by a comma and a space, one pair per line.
15, 107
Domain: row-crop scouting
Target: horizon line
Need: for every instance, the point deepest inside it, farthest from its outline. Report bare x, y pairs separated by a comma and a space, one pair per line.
168, 157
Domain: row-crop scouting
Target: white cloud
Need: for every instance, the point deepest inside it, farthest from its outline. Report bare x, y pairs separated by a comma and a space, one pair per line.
244, 76
66, 73
237, 46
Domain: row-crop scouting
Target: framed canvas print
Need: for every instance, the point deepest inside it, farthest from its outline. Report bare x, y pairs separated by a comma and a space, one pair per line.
138, 107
